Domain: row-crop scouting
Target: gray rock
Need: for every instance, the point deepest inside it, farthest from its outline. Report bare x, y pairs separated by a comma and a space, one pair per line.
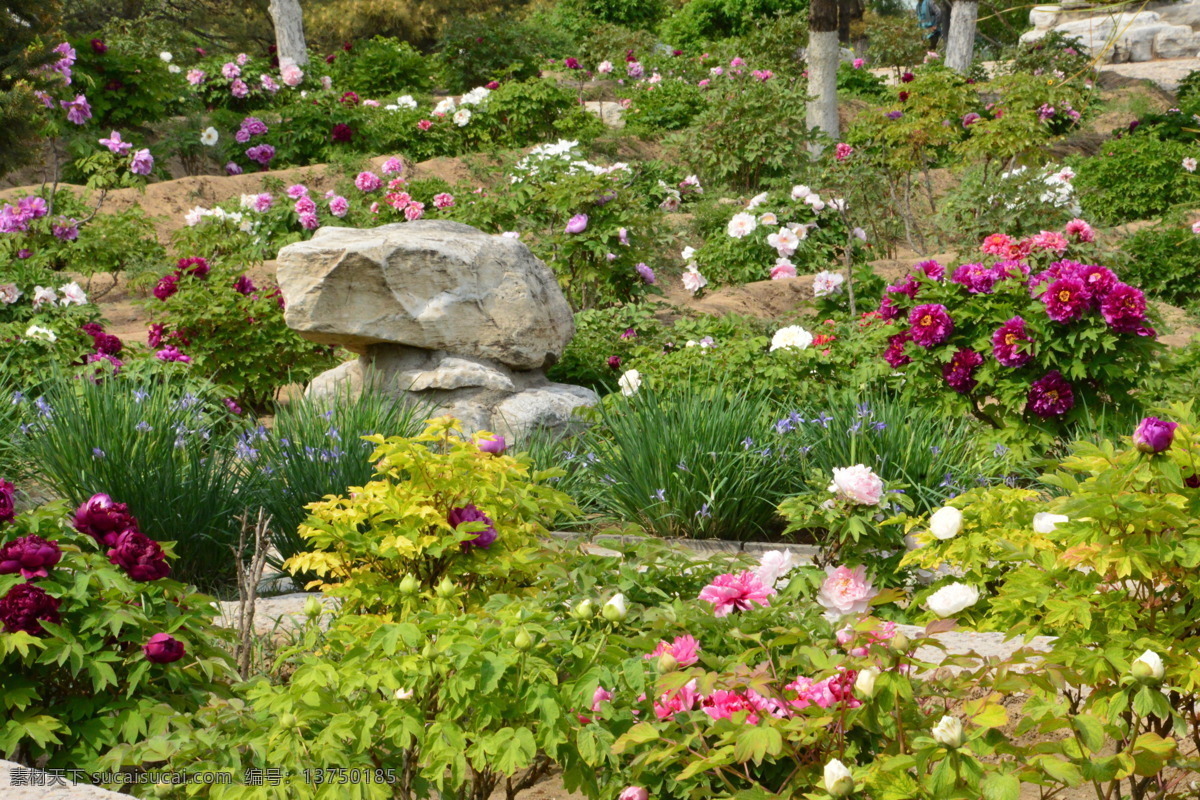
431, 284
552, 407
1176, 41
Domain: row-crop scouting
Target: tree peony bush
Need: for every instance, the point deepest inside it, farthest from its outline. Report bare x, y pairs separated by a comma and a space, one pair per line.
98, 648
1027, 339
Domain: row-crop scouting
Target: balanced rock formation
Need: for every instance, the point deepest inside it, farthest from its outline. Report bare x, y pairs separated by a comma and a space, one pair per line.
440, 314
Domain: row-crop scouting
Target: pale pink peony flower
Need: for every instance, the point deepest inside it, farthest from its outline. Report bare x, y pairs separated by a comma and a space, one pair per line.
414, 211
296, 191
684, 649
783, 269
195, 76
738, 592
634, 793
290, 73
368, 181
393, 166
846, 591
601, 695
338, 206
773, 565
677, 702
693, 281
858, 484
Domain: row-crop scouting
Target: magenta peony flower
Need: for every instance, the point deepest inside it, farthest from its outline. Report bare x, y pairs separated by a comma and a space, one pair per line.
738, 592
243, 285
368, 181
393, 166
231, 168
103, 519
496, 445
172, 353
1066, 299
888, 309
577, 223
32, 556
907, 287
339, 206
614, 362
154, 335
932, 269
1051, 396
960, 371
196, 267
469, 513
1098, 280
842, 151
25, 607
163, 649
894, 355
8, 502
141, 163
167, 286
931, 324
684, 649
1124, 308
232, 405
1082, 231
1006, 343
304, 205
1152, 435
976, 277
140, 556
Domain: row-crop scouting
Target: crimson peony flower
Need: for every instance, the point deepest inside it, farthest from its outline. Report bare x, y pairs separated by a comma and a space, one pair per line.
341, 132
99, 47
8, 502
163, 649
1006, 343
960, 371
1051, 396
1152, 435
614, 362
1066, 299
469, 513
32, 556
196, 267
25, 607
167, 286
931, 324
1124, 308
349, 98
140, 556
244, 285
103, 519
154, 336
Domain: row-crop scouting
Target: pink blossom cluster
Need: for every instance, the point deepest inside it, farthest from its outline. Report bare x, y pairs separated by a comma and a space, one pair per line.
736, 592
16, 218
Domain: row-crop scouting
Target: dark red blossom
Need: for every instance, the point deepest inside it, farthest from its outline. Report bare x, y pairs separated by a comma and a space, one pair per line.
25, 607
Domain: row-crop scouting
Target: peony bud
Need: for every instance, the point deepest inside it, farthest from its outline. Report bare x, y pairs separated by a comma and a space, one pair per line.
838, 780
287, 720
614, 610
163, 649
522, 641
408, 585
446, 588
946, 522
313, 607
949, 732
1148, 667
585, 610
1154, 435
495, 445
634, 793
901, 643
667, 663
403, 694
864, 684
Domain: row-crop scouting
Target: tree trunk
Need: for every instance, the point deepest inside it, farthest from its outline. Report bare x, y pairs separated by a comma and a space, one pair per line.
824, 55
289, 31
960, 43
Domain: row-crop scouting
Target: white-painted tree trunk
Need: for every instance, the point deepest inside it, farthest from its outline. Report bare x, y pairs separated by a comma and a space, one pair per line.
289, 31
824, 55
960, 42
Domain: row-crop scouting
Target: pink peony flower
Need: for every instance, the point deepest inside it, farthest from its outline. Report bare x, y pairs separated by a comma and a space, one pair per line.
339, 206
115, 145
681, 700
443, 200
368, 182
1082, 231
309, 221
783, 269
393, 166
846, 591
291, 74
1048, 240
305, 205
738, 592
1008, 343
78, 110
262, 202
842, 151
931, 324
634, 793
858, 484
577, 223
998, 244
142, 162
601, 695
172, 353
932, 269
195, 76
231, 70
414, 211
239, 88
976, 277
1152, 435
684, 649
163, 648
723, 704
496, 445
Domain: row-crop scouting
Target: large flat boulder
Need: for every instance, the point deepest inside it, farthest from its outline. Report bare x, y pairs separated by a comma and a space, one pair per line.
430, 284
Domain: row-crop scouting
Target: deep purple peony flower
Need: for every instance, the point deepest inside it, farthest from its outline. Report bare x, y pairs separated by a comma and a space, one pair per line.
163, 649
1154, 435
894, 354
99, 47
103, 519
496, 445
341, 132
167, 286
8, 502
25, 607
469, 513
931, 324
614, 362
244, 285
32, 556
1006, 343
140, 556
960, 371
976, 277
108, 344
577, 223
1124, 308
196, 267
888, 308
1051, 396
1066, 299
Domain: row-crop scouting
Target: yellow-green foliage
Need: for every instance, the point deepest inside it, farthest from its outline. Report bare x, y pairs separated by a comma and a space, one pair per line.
388, 544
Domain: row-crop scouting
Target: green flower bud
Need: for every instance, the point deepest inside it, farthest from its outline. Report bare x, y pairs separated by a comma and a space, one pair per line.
901, 643
313, 607
667, 663
409, 585
585, 610
523, 641
446, 588
287, 720
614, 610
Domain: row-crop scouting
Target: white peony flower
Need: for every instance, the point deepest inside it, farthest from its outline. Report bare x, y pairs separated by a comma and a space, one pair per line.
1045, 522
209, 137
605, 67
952, 599
43, 295
838, 780
165, 56
768, 218
445, 106
475, 96
462, 117
948, 732
38, 332
174, 69
800, 192
693, 281
9, 293
403, 694
815, 202
785, 241
826, 283
629, 382
742, 224
864, 684
946, 522
688, 253
757, 201
194, 217
791, 337
406, 101
72, 294
1189, 164
773, 565
615, 610
1149, 665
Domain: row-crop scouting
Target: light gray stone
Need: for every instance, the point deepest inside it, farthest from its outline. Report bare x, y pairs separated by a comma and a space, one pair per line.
551, 408
1176, 41
458, 373
1044, 17
430, 284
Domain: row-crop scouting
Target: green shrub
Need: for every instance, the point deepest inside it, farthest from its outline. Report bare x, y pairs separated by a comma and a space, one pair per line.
164, 447
1021, 201
859, 82
488, 47
1135, 177
1056, 54
1165, 262
521, 113
666, 106
381, 67
125, 88
80, 682
635, 14
701, 21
